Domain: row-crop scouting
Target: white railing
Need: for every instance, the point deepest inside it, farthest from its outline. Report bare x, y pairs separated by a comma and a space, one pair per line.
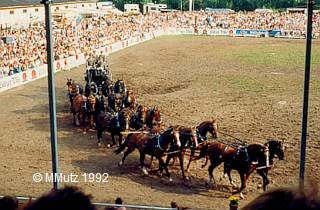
27, 199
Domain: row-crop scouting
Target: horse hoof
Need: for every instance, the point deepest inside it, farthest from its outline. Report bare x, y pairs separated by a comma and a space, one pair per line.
120, 163
241, 196
108, 145
186, 178
170, 180
259, 186
84, 132
99, 144
202, 166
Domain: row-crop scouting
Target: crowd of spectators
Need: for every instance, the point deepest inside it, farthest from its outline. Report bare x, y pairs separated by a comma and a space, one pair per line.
74, 36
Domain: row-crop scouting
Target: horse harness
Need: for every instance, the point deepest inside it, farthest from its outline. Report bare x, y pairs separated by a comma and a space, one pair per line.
155, 142
201, 139
244, 150
189, 142
117, 120
239, 150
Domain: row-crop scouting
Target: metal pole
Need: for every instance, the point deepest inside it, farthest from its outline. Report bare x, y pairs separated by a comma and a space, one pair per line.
52, 95
105, 204
306, 93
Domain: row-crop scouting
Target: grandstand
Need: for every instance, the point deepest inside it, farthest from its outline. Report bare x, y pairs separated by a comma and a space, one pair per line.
76, 38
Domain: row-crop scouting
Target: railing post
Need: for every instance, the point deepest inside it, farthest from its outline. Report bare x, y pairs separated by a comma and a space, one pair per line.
52, 95
306, 93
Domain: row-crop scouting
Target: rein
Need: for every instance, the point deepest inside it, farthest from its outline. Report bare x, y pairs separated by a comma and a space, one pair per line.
263, 167
173, 152
226, 134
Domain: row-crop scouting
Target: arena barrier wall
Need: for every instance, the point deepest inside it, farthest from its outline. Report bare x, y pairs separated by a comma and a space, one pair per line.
73, 61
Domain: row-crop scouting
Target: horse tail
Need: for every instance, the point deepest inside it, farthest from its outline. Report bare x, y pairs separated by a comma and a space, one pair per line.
123, 145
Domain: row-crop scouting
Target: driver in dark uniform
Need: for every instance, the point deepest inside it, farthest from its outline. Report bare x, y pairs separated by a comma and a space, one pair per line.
90, 61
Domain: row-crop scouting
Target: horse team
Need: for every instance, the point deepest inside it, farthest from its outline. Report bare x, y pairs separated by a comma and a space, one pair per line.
120, 114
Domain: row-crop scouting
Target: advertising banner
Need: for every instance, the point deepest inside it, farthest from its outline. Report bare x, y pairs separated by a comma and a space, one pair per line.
218, 32
244, 32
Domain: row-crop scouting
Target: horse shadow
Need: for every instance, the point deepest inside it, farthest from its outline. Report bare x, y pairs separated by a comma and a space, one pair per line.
38, 116
37, 119
61, 99
107, 162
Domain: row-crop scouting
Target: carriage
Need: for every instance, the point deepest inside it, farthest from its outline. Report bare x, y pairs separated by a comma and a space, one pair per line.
97, 75
96, 78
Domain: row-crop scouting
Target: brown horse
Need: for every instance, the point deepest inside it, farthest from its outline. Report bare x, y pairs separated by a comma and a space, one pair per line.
154, 145
73, 90
153, 117
138, 119
189, 139
202, 129
114, 124
276, 149
78, 105
143, 113
90, 111
118, 102
129, 100
240, 158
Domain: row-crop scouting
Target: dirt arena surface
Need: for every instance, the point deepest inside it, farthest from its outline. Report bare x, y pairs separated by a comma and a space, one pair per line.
254, 87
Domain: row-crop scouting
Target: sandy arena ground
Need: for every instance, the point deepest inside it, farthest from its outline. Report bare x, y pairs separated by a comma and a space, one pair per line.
252, 86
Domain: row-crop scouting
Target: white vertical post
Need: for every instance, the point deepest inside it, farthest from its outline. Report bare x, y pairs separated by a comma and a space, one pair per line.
190, 5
